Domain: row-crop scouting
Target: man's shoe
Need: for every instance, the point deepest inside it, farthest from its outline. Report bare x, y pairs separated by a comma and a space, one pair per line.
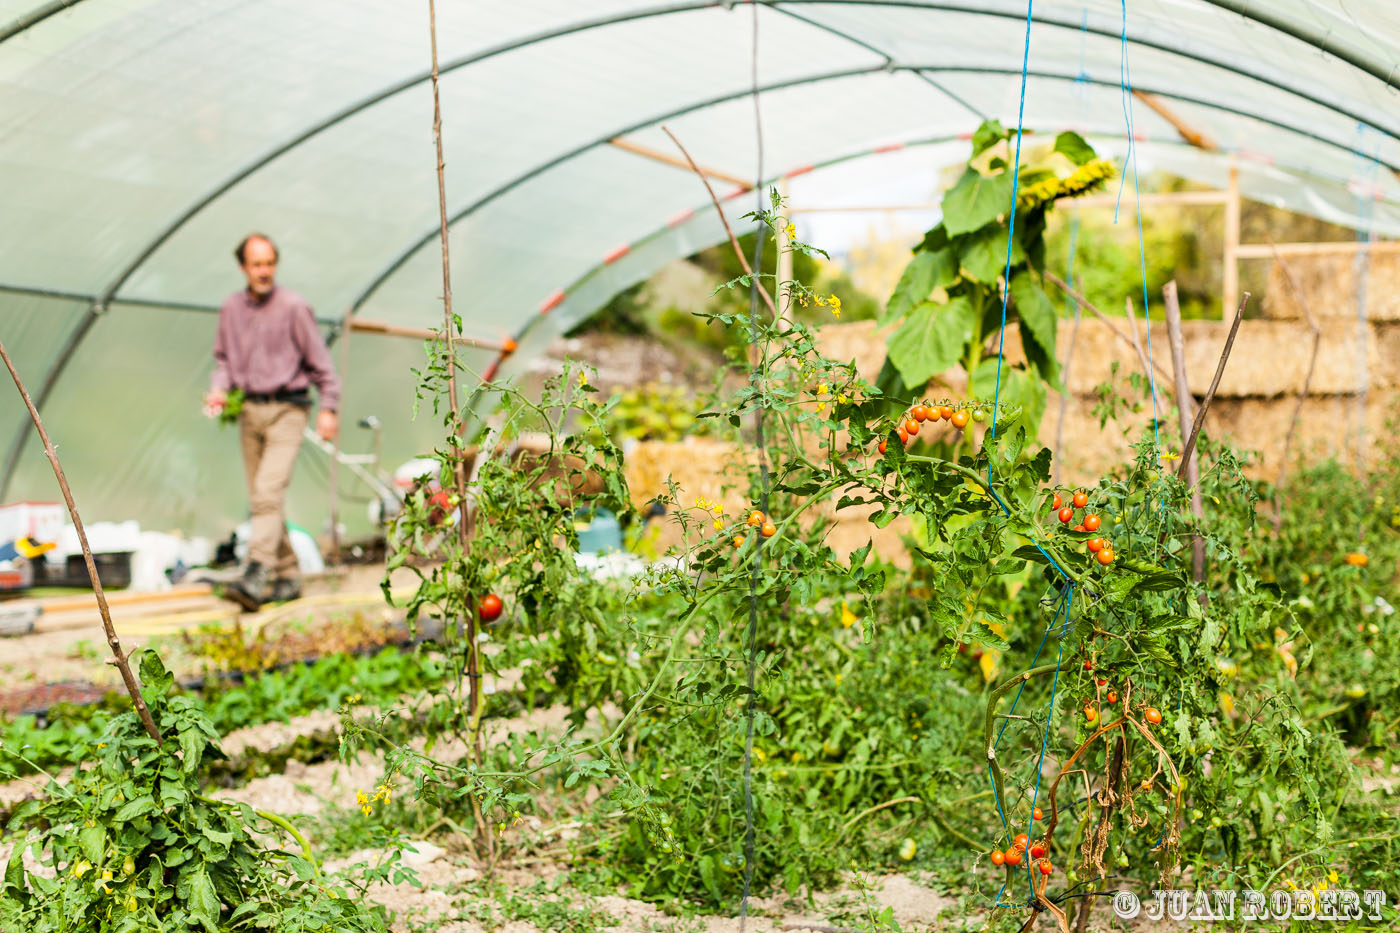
249, 591
284, 590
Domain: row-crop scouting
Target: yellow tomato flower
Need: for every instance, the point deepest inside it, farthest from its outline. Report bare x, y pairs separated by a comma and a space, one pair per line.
718, 524
582, 378
1333, 877
823, 389
848, 618
835, 306
363, 802
842, 398
790, 230
382, 791
821, 406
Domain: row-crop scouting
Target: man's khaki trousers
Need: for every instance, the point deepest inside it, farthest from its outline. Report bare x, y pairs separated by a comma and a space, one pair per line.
271, 433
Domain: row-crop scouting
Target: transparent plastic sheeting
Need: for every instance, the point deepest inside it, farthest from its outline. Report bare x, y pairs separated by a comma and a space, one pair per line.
140, 139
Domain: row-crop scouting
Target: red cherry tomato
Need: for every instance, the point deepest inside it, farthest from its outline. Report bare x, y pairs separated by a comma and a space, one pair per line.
1080, 528
1081, 499
1056, 502
1066, 515
489, 608
1037, 849
1046, 868
903, 435
946, 413
1092, 522
912, 427
920, 412
1152, 715
1020, 841
1088, 664
1095, 544
882, 445
1101, 681
1013, 857
1037, 814
997, 857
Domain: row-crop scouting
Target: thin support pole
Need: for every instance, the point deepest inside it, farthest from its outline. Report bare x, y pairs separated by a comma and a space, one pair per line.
1210, 393
1183, 391
119, 657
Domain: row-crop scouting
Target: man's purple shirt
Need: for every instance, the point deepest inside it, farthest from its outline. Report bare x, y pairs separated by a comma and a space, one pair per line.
272, 345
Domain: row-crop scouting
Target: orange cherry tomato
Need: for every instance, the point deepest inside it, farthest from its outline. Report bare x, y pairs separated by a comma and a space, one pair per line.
1066, 515
997, 857
1105, 556
757, 518
1056, 502
920, 412
768, 530
1091, 522
1091, 715
1153, 715
959, 419
1112, 697
1037, 814
912, 427
1046, 868
738, 540
1021, 840
1095, 544
1013, 857
882, 445
903, 434
1081, 499
1357, 559
1080, 528
946, 413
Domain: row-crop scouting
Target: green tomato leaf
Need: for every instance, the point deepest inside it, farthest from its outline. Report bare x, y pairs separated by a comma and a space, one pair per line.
138, 807
203, 899
92, 841
931, 340
976, 201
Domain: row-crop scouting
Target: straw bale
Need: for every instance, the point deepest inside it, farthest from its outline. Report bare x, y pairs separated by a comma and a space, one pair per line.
1328, 282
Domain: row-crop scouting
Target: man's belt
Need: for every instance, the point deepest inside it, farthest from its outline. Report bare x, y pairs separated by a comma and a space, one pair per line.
294, 397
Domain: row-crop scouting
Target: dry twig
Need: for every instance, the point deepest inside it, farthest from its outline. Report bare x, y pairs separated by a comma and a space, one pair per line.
1210, 393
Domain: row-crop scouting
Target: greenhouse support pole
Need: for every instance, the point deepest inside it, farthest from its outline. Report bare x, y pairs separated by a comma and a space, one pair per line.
1230, 282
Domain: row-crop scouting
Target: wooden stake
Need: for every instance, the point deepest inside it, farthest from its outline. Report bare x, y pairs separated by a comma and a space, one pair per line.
1210, 393
1183, 391
1087, 305
119, 658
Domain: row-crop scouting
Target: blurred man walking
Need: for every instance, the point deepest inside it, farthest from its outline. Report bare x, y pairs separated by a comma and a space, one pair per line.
268, 346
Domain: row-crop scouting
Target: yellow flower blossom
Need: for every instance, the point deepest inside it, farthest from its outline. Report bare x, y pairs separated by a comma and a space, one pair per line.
582, 378
842, 398
835, 306
718, 525
837, 680
791, 231
819, 300
383, 790
1333, 877
821, 406
823, 389
848, 618
363, 802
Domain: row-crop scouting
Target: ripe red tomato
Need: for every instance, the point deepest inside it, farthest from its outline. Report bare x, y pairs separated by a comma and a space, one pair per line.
1091, 522
1105, 556
1079, 528
912, 427
757, 518
997, 857
882, 445
1020, 841
1153, 715
1037, 814
489, 608
1081, 499
768, 530
1037, 849
903, 435
1066, 515
1088, 664
1013, 857
1101, 681
1095, 544
946, 413
1046, 868
920, 412
1056, 502
1112, 697
959, 419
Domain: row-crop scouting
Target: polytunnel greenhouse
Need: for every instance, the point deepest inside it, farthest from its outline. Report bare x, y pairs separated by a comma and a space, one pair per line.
880, 435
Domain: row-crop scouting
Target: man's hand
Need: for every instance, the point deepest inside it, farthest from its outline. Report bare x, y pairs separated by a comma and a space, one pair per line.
214, 401
327, 425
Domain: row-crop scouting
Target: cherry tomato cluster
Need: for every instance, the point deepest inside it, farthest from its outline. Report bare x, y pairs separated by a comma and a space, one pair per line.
1065, 507
959, 416
760, 521
1014, 855
1091, 713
